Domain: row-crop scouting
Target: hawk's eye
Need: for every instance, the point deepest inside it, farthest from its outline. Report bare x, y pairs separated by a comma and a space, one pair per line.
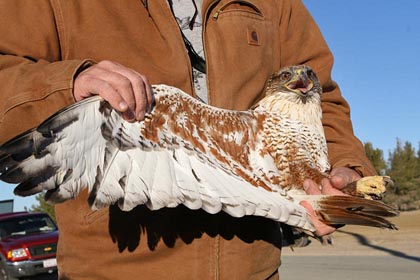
285, 76
310, 73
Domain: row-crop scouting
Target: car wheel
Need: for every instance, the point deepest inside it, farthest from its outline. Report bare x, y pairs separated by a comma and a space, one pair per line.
4, 275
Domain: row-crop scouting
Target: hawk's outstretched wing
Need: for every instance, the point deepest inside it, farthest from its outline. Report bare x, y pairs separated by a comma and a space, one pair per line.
184, 152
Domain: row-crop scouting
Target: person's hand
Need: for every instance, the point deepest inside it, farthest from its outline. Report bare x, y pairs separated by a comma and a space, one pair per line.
340, 177
126, 90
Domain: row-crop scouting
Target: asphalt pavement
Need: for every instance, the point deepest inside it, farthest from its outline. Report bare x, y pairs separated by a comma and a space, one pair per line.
350, 267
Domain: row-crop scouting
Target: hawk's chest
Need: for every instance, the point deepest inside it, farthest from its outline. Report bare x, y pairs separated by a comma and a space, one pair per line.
298, 150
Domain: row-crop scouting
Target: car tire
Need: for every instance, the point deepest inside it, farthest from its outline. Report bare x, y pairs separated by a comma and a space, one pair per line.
4, 275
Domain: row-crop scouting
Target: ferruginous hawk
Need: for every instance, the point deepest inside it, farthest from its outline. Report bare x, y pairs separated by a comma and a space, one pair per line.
185, 152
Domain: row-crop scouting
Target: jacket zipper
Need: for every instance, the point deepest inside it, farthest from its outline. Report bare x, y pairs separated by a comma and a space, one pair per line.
220, 10
189, 63
203, 32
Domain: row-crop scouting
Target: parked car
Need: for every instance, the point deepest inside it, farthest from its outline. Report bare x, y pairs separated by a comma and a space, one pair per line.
28, 244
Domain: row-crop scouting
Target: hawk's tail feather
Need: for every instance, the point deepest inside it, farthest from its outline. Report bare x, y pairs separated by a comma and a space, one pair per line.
339, 210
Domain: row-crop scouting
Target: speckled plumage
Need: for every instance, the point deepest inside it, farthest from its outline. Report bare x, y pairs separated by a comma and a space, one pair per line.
184, 152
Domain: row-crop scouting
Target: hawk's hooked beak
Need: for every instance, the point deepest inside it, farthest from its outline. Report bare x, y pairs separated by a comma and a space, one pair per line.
300, 83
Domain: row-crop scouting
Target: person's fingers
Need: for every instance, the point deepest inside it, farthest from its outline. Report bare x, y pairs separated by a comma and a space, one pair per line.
342, 176
139, 93
149, 94
338, 181
328, 188
311, 187
113, 87
126, 90
140, 87
123, 86
125, 82
321, 229
87, 85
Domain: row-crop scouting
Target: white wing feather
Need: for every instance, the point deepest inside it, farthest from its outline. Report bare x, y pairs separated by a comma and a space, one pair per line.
89, 145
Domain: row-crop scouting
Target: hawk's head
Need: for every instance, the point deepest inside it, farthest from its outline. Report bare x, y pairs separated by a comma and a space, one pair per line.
298, 84
295, 93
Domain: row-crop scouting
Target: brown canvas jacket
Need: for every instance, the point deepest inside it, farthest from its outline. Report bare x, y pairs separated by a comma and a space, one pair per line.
45, 44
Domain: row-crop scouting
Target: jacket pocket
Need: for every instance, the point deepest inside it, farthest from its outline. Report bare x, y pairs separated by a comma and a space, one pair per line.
245, 8
239, 51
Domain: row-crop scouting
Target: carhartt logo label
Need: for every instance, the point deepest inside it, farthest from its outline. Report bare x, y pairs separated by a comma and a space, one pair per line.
253, 37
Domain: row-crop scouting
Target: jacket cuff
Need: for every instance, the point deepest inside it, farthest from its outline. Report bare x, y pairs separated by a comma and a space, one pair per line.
34, 104
361, 165
85, 64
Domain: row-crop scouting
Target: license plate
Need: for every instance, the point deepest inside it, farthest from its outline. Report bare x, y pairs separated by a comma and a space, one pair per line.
50, 262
